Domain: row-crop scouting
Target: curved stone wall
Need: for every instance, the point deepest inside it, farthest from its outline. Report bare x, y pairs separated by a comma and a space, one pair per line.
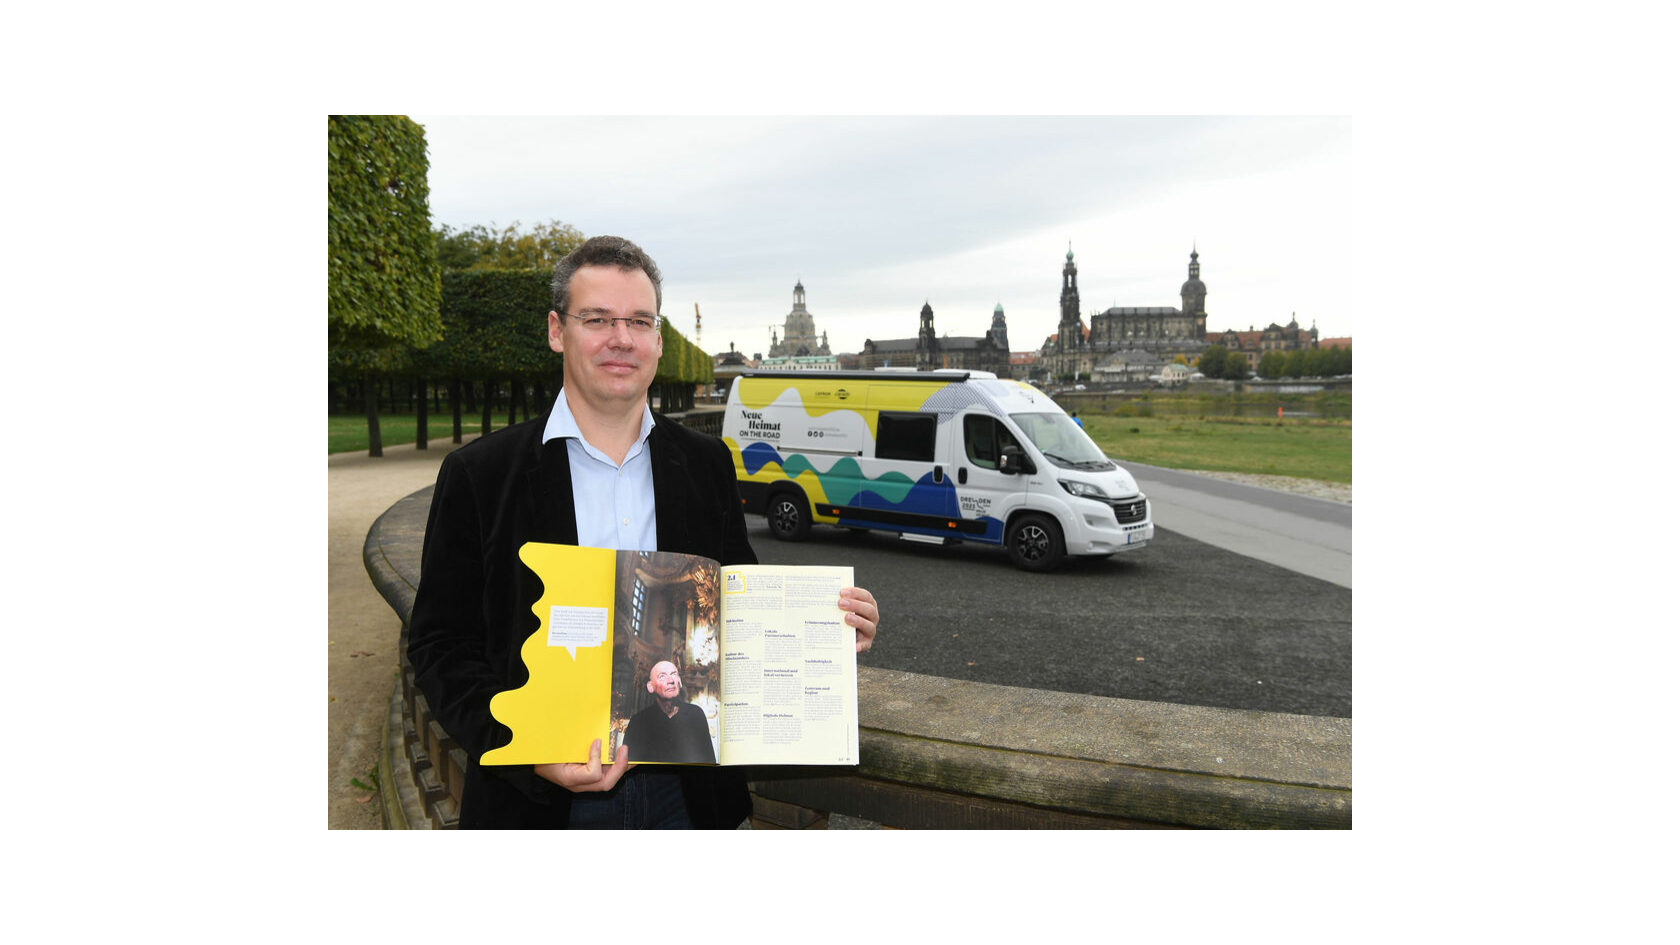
944, 753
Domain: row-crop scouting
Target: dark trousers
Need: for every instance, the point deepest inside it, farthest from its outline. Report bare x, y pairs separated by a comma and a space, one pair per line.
641, 800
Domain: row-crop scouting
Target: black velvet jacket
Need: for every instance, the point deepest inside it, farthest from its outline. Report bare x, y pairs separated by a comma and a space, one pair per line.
472, 610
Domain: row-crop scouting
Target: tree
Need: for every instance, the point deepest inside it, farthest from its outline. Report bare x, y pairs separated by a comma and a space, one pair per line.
1236, 367
489, 346
1339, 361
1272, 365
495, 330
382, 269
1212, 361
482, 247
456, 249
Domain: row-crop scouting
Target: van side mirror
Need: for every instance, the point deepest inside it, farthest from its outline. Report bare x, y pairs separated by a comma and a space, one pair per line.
1014, 462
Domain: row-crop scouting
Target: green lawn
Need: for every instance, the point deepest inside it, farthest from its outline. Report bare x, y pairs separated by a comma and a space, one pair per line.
1308, 449
347, 433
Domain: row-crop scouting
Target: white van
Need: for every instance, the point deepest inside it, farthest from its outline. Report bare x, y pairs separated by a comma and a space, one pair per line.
931, 455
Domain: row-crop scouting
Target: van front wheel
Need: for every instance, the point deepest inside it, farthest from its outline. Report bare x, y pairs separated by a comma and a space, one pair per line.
1035, 543
788, 518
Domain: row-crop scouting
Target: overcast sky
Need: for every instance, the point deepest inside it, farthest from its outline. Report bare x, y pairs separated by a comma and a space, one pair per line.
878, 215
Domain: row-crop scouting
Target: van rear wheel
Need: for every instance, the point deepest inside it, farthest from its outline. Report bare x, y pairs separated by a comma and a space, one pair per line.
1035, 543
789, 519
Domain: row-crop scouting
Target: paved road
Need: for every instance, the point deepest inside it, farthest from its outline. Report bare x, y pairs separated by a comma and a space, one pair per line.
1182, 620
1311, 536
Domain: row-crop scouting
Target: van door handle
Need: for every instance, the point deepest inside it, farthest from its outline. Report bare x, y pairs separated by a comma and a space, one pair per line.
938, 474
962, 475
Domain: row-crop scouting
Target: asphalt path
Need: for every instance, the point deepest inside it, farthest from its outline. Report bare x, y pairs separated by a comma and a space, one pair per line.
1182, 620
1305, 534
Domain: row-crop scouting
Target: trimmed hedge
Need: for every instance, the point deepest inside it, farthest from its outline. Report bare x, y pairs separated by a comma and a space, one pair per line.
382, 269
495, 326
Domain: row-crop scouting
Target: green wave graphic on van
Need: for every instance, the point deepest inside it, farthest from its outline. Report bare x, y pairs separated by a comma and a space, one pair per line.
840, 484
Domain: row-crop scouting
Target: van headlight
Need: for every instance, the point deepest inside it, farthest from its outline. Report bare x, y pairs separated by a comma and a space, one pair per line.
1083, 489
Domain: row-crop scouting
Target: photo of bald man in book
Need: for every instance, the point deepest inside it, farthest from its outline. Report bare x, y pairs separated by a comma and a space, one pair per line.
666, 680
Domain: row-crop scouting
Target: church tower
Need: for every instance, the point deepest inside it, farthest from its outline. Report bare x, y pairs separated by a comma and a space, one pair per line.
1070, 297
927, 342
1194, 297
1070, 333
999, 332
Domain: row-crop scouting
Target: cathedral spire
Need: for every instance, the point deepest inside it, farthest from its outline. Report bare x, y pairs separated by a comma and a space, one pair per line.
1194, 294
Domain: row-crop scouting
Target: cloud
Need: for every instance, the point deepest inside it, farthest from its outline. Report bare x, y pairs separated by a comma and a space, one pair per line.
878, 214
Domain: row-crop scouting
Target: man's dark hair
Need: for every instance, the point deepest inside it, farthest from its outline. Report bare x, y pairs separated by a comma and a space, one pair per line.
603, 251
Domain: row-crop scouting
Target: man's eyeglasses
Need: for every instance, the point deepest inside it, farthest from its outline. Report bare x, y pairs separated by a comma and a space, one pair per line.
638, 324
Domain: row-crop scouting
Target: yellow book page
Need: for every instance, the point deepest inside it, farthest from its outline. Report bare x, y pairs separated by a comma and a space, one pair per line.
566, 702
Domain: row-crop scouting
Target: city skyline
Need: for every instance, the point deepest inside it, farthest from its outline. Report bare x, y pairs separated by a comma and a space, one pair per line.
875, 216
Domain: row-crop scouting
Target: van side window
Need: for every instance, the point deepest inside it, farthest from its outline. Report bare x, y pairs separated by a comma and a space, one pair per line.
905, 436
984, 439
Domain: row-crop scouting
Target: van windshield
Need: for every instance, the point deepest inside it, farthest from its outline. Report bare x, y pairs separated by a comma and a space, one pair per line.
1061, 440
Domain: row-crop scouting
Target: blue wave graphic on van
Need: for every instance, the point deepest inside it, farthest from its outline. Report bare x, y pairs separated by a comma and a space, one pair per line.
757, 456
926, 497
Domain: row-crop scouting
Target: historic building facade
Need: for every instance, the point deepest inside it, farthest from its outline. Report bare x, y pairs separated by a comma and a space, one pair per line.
1129, 344
929, 351
799, 332
798, 362
1252, 344
1126, 339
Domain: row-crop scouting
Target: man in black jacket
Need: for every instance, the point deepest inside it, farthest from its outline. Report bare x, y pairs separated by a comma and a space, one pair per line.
598, 469
669, 729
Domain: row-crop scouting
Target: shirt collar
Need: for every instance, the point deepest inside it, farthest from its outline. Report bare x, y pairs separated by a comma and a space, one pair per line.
562, 424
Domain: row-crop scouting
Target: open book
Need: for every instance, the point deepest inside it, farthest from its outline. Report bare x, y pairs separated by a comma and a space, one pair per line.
685, 660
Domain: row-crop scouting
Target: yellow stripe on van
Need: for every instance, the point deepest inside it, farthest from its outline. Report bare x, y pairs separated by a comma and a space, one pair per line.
901, 396
820, 396
817, 396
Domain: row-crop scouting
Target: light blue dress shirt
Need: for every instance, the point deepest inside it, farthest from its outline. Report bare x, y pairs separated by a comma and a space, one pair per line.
614, 502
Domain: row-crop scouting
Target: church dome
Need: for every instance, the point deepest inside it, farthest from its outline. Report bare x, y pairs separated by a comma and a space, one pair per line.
1193, 285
